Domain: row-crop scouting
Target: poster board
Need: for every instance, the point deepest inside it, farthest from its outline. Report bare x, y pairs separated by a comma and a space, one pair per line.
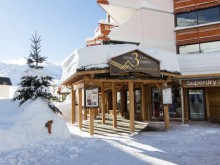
167, 95
91, 97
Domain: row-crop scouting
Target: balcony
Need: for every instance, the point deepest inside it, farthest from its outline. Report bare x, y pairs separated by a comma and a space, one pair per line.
101, 34
199, 34
187, 5
105, 2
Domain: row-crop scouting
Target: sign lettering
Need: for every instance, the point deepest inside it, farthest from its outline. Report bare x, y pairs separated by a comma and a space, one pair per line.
201, 83
134, 61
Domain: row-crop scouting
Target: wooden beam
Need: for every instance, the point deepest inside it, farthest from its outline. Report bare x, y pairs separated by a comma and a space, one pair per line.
73, 105
114, 102
131, 105
80, 108
171, 74
217, 75
143, 105
103, 102
91, 121
125, 81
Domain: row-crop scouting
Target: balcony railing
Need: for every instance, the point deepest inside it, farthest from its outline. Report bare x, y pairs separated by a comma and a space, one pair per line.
186, 5
198, 34
102, 33
103, 2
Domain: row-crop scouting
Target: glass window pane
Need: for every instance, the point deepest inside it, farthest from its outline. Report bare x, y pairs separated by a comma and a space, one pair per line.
187, 49
196, 104
210, 46
208, 15
186, 19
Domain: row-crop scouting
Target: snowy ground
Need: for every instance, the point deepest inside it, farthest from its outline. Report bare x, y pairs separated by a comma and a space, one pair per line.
195, 143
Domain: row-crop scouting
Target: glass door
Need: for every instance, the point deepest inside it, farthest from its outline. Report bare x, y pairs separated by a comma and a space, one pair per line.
196, 104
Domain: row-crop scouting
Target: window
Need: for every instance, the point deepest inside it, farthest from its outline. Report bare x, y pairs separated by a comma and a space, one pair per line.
208, 15
186, 19
198, 17
188, 49
200, 48
210, 46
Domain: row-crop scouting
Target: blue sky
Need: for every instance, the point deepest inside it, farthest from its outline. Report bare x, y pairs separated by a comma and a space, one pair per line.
63, 25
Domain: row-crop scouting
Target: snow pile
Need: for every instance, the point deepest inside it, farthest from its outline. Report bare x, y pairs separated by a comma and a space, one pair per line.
201, 63
99, 57
26, 124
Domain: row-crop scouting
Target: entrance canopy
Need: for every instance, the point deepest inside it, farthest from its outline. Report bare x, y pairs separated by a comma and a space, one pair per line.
99, 58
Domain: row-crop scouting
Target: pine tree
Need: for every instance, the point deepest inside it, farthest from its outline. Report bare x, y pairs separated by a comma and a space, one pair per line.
34, 81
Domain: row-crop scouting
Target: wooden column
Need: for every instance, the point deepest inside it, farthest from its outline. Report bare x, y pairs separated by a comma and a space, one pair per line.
182, 106
80, 108
166, 117
207, 103
114, 102
103, 102
91, 121
73, 106
143, 103
107, 101
85, 113
131, 105
122, 106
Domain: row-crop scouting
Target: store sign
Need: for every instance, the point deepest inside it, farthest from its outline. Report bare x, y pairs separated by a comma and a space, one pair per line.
167, 95
91, 97
201, 83
134, 61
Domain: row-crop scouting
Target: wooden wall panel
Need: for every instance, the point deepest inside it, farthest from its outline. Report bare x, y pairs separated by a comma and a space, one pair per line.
198, 35
187, 5
214, 104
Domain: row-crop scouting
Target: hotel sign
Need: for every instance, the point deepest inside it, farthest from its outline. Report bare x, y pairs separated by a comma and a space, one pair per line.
134, 61
201, 83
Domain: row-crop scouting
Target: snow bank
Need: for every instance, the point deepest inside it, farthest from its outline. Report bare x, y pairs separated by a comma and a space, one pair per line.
26, 125
99, 56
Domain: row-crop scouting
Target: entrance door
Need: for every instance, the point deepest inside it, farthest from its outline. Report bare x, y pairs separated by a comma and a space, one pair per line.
196, 104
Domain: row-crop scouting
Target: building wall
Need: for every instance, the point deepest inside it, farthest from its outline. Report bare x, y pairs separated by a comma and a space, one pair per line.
4, 91
148, 28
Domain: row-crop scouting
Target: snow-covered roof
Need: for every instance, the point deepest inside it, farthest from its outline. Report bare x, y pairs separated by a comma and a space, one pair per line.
201, 63
99, 56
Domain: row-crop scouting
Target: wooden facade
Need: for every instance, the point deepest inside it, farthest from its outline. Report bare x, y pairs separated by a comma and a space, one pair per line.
211, 88
187, 5
104, 30
198, 34
105, 2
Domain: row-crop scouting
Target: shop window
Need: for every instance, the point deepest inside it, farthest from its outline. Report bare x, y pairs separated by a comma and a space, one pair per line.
186, 19
196, 104
175, 110
156, 103
137, 101
208, 15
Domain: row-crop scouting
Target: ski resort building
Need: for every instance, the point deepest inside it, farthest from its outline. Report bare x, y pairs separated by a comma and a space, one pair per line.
5, 87
140, 49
